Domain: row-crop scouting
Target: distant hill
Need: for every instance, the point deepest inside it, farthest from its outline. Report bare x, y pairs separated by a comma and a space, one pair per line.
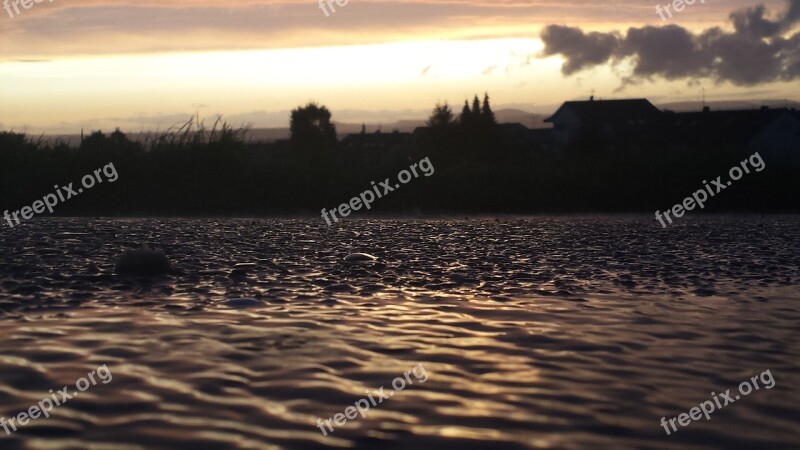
727, 105
508, 115
530, 120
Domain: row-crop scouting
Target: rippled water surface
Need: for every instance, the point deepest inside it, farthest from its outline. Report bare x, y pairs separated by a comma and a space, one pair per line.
564, 333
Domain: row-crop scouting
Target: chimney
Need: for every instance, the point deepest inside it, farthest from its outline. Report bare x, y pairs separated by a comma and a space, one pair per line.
591, 99
706, 109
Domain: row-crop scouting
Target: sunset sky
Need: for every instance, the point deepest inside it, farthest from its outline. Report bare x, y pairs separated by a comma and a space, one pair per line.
69, 64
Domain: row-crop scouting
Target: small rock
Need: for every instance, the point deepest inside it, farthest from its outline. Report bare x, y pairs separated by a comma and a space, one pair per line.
242, 302
143, 262
238, 273
704, 292
360, 258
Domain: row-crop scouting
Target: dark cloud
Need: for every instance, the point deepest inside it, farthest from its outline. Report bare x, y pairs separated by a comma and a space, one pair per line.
753, 22
582, 50
757, 51
670, 51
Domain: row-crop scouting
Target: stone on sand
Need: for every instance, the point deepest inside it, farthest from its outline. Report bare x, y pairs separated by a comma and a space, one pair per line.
143, 262
242, 302
360, 258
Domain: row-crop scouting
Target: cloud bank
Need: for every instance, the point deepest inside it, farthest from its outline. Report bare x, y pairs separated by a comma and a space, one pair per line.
77, 28
759, 49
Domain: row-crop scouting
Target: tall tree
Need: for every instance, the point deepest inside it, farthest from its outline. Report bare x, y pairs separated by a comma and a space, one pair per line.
487, 115
466, 115
476, 107
311, 128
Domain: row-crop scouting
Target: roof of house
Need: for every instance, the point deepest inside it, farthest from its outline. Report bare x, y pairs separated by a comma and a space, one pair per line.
609, 110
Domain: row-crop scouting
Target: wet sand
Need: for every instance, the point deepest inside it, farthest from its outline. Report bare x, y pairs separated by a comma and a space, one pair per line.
573, 333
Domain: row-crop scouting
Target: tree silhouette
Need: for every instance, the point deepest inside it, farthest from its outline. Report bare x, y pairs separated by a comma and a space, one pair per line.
118, 137
192, 170
95, 140
311, 128
442, 117
487, 115
466, 118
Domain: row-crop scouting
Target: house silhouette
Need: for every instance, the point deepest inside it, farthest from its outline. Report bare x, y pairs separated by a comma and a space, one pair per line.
774, 131
638, 123
603, 119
